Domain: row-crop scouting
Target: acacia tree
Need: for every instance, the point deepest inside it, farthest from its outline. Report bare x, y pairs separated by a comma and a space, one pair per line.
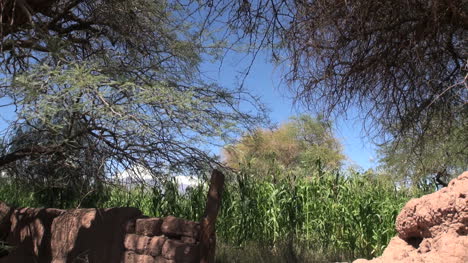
402, 63
118, 80
302, 143
436, 161
71, 177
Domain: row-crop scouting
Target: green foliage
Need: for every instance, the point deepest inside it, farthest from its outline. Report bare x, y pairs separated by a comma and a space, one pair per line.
124, 36
4, 249
127, 93
335, 217
353, 214
71, 177
338, 55
160, 200
420, 162
21, 192
300, 143
287, 251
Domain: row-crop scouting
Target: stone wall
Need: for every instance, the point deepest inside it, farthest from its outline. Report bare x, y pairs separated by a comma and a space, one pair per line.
78, 235
167, 239
109, 235
98, 235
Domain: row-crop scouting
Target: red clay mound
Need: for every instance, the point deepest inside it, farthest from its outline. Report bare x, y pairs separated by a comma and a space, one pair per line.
432, 228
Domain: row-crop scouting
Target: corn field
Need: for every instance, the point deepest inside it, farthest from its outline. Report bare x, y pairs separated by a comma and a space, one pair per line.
341, 217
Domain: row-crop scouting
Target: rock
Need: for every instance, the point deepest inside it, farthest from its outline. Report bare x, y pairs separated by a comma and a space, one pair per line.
81, 233
130, 257
130, 226
177, 227
180, 252
136, 243
59, 236
155, 246
188, 240
432, 228
5, 223
149, 226
46, 235
30, 234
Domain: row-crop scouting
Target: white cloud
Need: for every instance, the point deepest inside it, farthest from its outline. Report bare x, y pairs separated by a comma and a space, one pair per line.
142, 174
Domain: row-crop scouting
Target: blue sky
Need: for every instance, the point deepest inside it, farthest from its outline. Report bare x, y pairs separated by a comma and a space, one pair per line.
264, 80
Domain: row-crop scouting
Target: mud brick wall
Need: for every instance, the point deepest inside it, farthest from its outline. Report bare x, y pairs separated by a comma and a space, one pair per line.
161, 240
110, 235
59, 236
96, 235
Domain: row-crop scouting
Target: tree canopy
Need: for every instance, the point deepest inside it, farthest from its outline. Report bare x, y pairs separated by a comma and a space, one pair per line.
436, 161
403, 63
131, 38
303, 142
115, 80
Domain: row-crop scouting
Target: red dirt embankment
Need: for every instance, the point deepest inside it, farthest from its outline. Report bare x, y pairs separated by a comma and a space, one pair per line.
432, 228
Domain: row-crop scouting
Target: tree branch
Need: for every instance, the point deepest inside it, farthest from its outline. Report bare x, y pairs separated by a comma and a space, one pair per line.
29, 151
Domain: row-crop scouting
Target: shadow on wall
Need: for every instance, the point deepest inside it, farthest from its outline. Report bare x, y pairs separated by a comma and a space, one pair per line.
109, 235
33, 228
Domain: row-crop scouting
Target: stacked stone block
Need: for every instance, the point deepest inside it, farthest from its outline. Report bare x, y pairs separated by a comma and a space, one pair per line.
110, 235
161, 240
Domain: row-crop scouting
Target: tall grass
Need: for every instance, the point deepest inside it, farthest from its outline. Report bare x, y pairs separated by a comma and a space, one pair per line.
160, 200
333, 216
337, 215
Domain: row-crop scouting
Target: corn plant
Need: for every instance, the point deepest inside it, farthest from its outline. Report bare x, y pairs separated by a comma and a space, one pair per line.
339, 216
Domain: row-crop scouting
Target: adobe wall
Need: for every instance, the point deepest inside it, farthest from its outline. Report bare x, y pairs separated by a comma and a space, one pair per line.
167, 239
110, 235
96, 235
